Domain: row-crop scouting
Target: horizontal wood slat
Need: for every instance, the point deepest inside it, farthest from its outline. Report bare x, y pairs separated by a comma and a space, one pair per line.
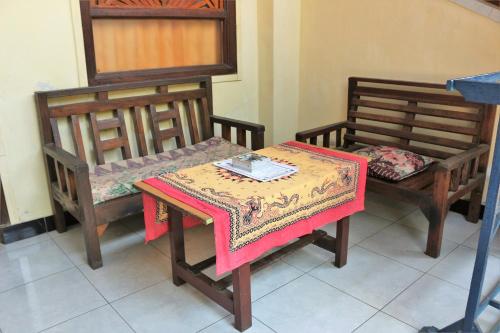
411, 136
165, 115
415, 123
413, 96
112, 143
417, 109
123, 103
106, 124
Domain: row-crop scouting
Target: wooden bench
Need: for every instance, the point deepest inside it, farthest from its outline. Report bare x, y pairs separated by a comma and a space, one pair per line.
95, 121
425, 119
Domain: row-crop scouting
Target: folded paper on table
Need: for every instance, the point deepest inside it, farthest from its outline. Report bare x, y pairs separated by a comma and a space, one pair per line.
252, 217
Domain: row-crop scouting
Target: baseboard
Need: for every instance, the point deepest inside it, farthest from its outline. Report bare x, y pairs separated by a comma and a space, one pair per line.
17, 232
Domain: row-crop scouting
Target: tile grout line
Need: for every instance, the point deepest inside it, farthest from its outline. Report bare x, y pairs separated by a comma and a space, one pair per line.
71, 318
124, 320
4, 249
344, 292
36, 280
358, 327
97, 290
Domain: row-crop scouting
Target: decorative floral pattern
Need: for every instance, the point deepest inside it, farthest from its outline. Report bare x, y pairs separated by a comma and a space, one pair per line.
265, 207
116, 179
394, 164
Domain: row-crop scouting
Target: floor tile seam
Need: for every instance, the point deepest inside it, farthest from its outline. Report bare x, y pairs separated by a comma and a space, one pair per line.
36, 280
272, 291
123, 318
475, 249
214, 323
442, 258
93, 286
384, 218
84, 276
396, 220
448, 239
450, 282
421, 274
25, 246
387, 257
137, 291
359, 326
399, 294
300, 269
344, 292
231, 315
71, 318
72, 265
439, 259
402, 321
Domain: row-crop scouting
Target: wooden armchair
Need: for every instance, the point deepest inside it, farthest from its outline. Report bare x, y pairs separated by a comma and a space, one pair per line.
425, 119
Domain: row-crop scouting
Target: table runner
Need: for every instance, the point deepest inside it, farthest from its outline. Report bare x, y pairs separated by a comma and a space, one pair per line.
251, 217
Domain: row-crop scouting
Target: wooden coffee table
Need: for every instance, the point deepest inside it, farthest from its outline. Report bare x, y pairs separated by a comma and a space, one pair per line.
237, 302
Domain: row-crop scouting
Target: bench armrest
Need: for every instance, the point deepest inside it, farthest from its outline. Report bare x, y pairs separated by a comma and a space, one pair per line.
312, 134
464, 157
256, 131
67, 159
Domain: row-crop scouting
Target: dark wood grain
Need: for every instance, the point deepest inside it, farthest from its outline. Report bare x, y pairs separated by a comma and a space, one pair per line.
408, 107
69, 173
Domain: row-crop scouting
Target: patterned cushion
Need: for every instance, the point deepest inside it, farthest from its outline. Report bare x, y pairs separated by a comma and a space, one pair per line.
394, 164
116, 179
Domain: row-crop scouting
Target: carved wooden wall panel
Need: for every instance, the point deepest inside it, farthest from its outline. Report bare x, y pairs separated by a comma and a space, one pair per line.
132, 44
133, 40
185, 4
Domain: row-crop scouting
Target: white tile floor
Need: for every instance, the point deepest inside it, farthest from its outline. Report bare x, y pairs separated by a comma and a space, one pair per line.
388, 285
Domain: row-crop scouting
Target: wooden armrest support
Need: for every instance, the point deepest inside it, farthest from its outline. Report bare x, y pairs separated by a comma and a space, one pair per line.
320, 130
256, 130
67, 159
456, 161
246, 125
325, 131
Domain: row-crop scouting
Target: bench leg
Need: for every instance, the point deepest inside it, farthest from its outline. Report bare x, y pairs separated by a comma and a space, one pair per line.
475, 205
91, 239
177, 249
59, 219
342, 242
242, 298
435, 233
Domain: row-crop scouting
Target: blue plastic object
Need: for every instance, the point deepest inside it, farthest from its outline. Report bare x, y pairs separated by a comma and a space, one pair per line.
481, 89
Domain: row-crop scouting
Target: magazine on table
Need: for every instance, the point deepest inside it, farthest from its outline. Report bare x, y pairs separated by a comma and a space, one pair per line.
257, 167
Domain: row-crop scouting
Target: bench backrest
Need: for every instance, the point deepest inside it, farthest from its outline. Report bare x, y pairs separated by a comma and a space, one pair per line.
420, 117
98, 119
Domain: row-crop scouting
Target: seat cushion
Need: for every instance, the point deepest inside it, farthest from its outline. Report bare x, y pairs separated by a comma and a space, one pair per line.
394, 164
116, 179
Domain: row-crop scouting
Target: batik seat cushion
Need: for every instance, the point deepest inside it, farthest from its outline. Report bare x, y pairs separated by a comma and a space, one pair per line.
393, 164
116, 179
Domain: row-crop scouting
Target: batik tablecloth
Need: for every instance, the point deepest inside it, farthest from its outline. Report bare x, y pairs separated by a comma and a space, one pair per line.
251, 217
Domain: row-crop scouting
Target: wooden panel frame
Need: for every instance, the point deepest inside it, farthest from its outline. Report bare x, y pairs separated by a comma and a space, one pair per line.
227, 18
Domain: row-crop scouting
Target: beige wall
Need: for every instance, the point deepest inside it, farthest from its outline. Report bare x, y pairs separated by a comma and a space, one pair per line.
424, 40
42, 48
294, 57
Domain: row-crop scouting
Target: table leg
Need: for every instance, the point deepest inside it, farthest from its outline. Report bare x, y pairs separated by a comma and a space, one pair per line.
242, 297
177, 250
341, 243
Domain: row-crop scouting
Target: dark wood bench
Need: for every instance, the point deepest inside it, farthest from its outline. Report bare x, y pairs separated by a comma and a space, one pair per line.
425, 119
89, 116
